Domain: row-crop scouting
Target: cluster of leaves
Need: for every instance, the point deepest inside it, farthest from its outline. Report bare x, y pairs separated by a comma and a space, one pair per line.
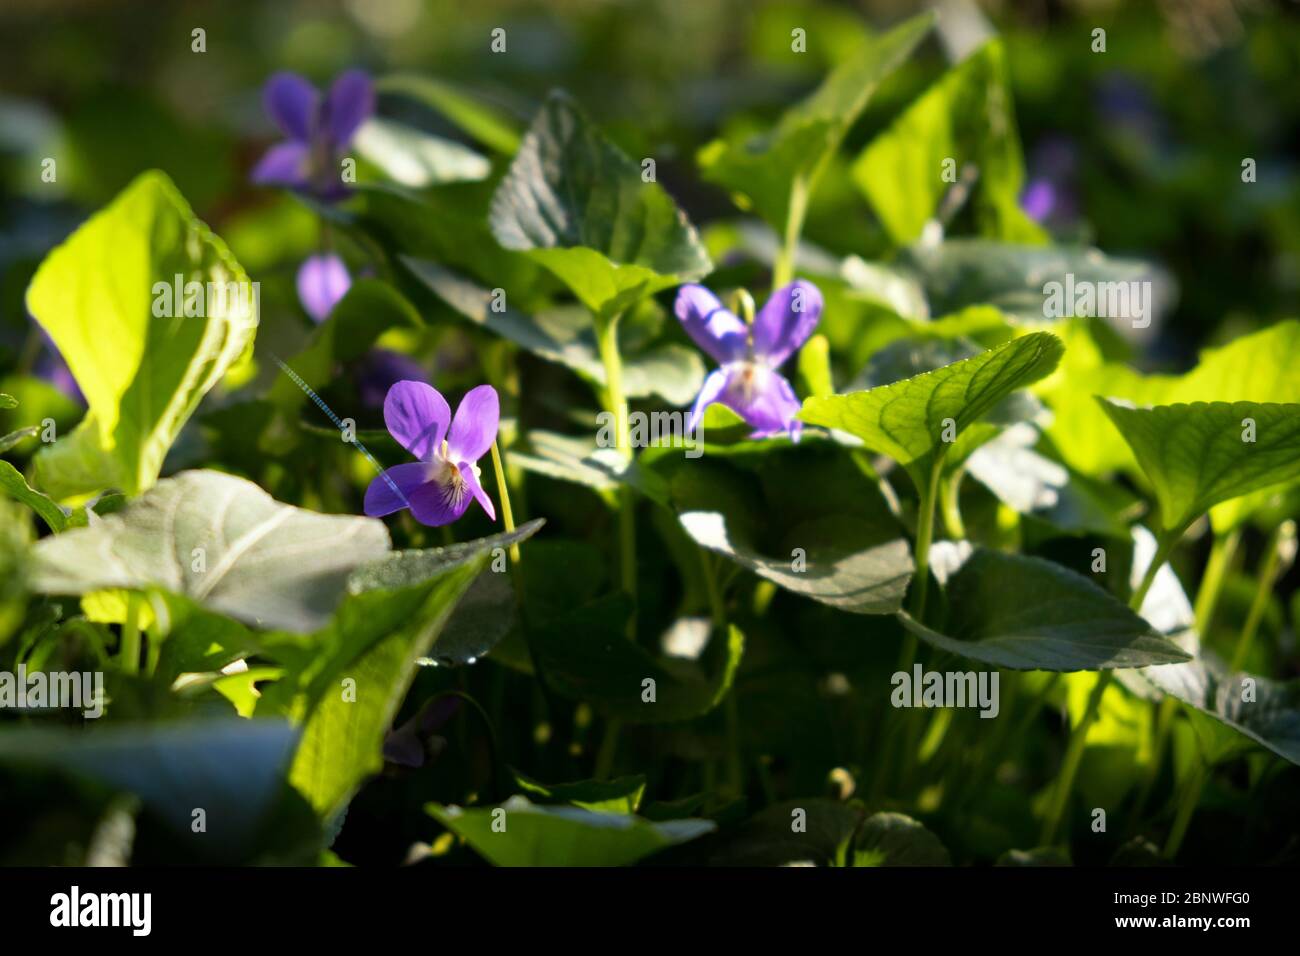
282, 674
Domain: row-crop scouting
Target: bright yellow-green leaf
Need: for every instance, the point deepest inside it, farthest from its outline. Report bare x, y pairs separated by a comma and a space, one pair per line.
1198, 455
143, 359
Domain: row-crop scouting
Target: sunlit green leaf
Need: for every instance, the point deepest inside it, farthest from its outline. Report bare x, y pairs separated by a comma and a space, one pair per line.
1198, 455
107, 299
562, 836
965, 119
908, 420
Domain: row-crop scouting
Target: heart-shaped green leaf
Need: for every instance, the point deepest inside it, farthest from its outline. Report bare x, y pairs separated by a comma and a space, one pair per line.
520, 833
1198, 455
916, 420
143, 356
222, 541
1266, 711
1025, 613
578, 205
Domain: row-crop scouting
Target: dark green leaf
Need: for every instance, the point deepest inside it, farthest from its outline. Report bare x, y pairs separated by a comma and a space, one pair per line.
1025, 613
579, 206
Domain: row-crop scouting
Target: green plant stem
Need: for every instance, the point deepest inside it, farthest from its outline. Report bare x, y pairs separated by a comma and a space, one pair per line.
1166, 710
1263, 591
616, 405
129, 651
1073, 757
924, 537
1222, 551
913, 720
718, 613
950, 492
503, 492
1079, 735
784, 267
1186, 808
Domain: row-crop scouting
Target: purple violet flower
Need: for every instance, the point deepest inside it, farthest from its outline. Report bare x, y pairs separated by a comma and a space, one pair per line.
322, 280
438, 487
319, 130
750, 354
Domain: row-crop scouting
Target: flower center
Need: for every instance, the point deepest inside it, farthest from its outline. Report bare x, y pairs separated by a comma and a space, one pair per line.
751, 379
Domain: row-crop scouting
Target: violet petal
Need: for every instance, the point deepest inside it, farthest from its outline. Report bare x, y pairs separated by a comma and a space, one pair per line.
417, 416
715, 330
284, 164
293, 103
714, 385
467, 472
435, 503
762, 397
786, 320
475, 426
351, 101
382, 499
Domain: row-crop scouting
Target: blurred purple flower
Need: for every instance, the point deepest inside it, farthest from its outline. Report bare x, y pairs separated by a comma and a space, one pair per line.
379, 370
318, 130
1039, 199
748, 381
438, 487
1049, 196
322, 280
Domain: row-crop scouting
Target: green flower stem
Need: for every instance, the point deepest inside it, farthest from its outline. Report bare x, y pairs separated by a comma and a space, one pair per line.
503, 492
1268, 575
1079, 735
913, 720
784, 267
924, 537
950, 491
616, 405
129, 650
1222, 551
